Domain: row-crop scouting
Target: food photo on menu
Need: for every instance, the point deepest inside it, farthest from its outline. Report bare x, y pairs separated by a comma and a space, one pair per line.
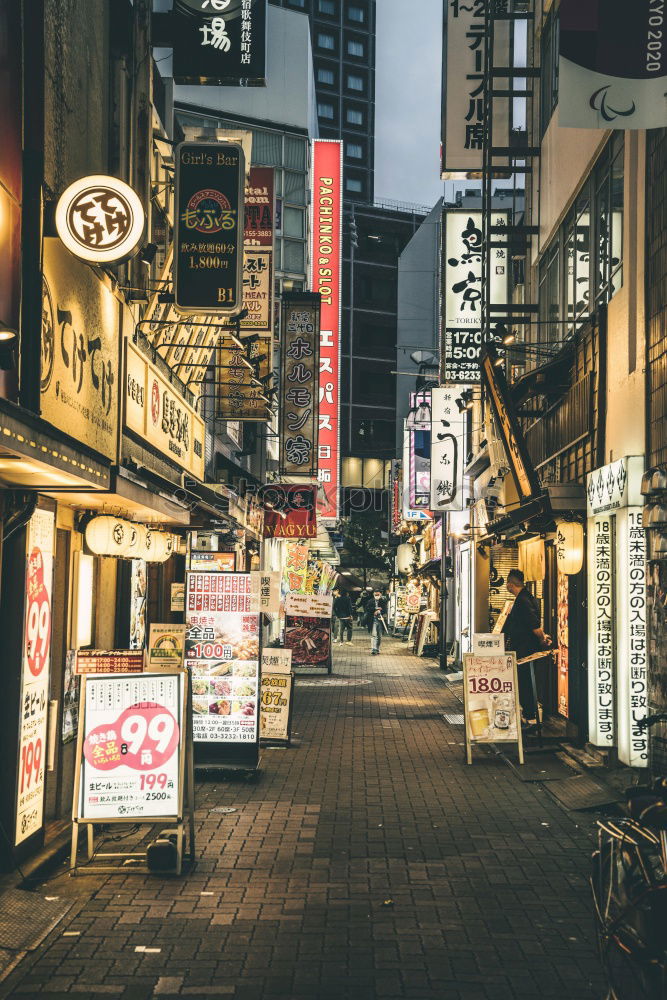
309, 639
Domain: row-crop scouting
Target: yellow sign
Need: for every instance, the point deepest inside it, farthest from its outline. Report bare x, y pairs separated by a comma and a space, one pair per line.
159, 415
258, 289
80, 351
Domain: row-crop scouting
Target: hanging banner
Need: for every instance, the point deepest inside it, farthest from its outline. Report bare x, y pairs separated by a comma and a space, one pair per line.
562, 638
289, 511
448, 450
631, 638
419, 438
296, 568
612, 71
35, 668
208, 238
309, 605
222, 650
299, 384
463, 113
326, 270
396, 495
132, 733
462, 292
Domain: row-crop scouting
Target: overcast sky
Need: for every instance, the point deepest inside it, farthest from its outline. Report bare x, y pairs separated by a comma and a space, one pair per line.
407, 95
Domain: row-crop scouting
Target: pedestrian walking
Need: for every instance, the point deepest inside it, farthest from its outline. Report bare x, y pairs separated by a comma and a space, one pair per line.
342, 609
377, 610
524, 635
365, 602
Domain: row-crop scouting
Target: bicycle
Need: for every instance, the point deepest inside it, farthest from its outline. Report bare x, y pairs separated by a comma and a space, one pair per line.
629, 886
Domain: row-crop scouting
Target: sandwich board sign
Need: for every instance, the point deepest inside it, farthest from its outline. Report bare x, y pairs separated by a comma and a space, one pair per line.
491, 701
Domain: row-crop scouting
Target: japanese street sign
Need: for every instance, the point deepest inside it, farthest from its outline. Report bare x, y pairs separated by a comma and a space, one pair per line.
238, 371
109, 661
35, 670
309, 605
158, 414
100, 220
326, 280
166, 646
289, 511
276, 707
265, 590
612, 71
220, 42
463, 113
208, 238
448, 450
299, 384
462, 292
258, 251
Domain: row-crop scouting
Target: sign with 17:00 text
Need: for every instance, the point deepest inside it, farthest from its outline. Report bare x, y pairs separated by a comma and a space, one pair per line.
208, 227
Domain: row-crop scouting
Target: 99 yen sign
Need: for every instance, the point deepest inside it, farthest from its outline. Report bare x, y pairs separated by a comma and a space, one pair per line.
38, 615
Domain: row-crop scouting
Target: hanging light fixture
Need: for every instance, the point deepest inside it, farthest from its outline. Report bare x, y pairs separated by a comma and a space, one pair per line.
114, 536
570, 547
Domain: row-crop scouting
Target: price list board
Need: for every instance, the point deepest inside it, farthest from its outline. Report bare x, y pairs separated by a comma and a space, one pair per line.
130, 747
222, 652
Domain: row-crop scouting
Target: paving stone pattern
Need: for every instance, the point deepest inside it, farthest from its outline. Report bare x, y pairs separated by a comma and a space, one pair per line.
368, 861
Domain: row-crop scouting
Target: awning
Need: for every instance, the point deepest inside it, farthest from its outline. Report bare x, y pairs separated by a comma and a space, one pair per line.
558, 500
431, 568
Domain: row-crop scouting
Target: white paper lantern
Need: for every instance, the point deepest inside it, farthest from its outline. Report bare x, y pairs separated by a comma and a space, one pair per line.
570, 547
107, 536
163, 546
404, 557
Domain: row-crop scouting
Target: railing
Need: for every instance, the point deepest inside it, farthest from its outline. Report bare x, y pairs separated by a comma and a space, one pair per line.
402, 206
566, 423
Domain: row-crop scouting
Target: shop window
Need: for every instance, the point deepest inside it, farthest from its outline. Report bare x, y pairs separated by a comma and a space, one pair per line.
608, 186
326, 76
325, 41
293, 256
355, 82
295, 153
550, 305
295, 187
549, 68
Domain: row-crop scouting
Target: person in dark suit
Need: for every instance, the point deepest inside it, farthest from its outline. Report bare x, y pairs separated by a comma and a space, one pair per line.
342, 609
524, 635
377, 612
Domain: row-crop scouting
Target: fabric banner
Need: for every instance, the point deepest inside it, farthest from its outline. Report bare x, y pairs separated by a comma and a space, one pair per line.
612, 71
289, 511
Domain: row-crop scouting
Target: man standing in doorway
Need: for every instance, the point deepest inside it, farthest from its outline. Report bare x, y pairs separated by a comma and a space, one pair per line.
524, 635
377, 611
342, 609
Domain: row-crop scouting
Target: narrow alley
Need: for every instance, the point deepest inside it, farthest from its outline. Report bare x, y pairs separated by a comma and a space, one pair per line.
366, 861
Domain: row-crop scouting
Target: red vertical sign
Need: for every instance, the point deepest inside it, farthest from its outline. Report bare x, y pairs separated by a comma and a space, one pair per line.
326, 279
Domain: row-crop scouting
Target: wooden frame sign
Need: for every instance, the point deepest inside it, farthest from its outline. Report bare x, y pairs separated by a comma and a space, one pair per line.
491, 701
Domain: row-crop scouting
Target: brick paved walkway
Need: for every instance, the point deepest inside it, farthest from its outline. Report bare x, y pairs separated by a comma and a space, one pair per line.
366, 862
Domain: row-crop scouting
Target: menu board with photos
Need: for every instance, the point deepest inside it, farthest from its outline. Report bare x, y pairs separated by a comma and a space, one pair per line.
222, 650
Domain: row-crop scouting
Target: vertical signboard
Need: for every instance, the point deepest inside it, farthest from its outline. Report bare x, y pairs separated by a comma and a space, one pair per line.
35, 666
239, 391
562, 640
463, 113
419, 429
222, 650
462, 292
617, 694
208, 233
396, 498
299, 384
220, 42
259, 213
448, 449
612, 71
326, 257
